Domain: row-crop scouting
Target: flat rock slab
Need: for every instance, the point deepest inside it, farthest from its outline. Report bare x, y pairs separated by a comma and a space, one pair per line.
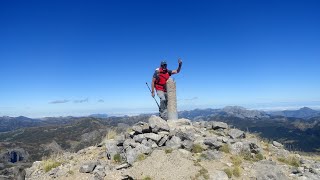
236, 134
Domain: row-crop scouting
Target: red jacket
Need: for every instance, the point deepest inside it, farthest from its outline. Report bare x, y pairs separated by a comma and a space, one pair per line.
161, 79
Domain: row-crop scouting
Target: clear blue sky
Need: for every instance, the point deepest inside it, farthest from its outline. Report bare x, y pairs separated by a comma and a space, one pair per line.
82, 57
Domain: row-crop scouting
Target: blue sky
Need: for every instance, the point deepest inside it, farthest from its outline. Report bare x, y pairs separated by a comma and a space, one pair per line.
62, 58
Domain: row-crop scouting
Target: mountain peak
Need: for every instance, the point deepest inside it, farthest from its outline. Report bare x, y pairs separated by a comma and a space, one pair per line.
178, 149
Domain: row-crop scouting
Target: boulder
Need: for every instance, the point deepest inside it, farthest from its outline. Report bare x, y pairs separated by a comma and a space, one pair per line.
132, 154
120, 139
186, 135
212, 155
218, 175
154, 137
123, 166
112, 148
187, 144
130, 143
265, 170
139, 138
163, 140
158, 124
137, 129
236, 134
219, 125
149, 143
212, 142
174, 143
277, 144
99, 171
88, 167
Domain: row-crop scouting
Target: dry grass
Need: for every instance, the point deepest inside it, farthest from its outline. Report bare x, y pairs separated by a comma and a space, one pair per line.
291, 160
49, 164
197, 148
225, 148
111, 134
202, 173
141, 157
236, 171
236, 160
228, 171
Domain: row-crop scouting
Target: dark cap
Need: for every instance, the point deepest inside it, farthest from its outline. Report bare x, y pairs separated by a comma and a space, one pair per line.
163, 63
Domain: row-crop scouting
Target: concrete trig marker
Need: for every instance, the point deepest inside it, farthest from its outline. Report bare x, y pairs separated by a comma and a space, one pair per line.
172, 100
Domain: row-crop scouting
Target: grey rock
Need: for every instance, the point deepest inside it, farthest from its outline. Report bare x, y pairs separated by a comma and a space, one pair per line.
137, 129
132, 154
212, 155
130, 143
158, 124
174, 143
218, 175
88, 167
1, 166
253, 144
123, 166
267, 170
153, 137
112, 148
212, 142
99, 171
139, 138
186, 135
219, 125
120, 139
236, 133
149, 143
187, 144
277, 144
163, 140
14, 155
239, 147
142, 149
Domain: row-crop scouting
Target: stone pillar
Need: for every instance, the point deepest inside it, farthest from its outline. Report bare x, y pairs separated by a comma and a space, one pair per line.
172, 100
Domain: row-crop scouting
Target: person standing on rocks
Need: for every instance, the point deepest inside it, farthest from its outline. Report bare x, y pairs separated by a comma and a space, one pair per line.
159, 80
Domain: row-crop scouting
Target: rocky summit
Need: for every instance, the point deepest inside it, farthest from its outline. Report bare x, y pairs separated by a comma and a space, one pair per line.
179, 149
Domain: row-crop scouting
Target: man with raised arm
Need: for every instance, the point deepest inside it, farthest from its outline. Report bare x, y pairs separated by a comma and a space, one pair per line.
159, 80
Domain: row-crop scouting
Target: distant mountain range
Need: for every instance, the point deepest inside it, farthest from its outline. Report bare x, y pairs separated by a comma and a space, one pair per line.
298, 130
304, 113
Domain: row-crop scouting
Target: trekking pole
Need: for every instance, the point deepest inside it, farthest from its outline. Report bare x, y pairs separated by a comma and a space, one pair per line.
153, 97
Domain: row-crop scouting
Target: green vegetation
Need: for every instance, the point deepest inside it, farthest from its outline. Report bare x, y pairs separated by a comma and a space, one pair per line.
291, 160
202, 173
225, 148
236, 171
259, 157
147, 178
167, 151
117, 158
228, 172
50, 164
70, 172
141, 157
197, 148
246, 155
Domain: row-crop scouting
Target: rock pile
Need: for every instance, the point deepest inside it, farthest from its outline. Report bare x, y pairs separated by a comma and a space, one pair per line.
182, 149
